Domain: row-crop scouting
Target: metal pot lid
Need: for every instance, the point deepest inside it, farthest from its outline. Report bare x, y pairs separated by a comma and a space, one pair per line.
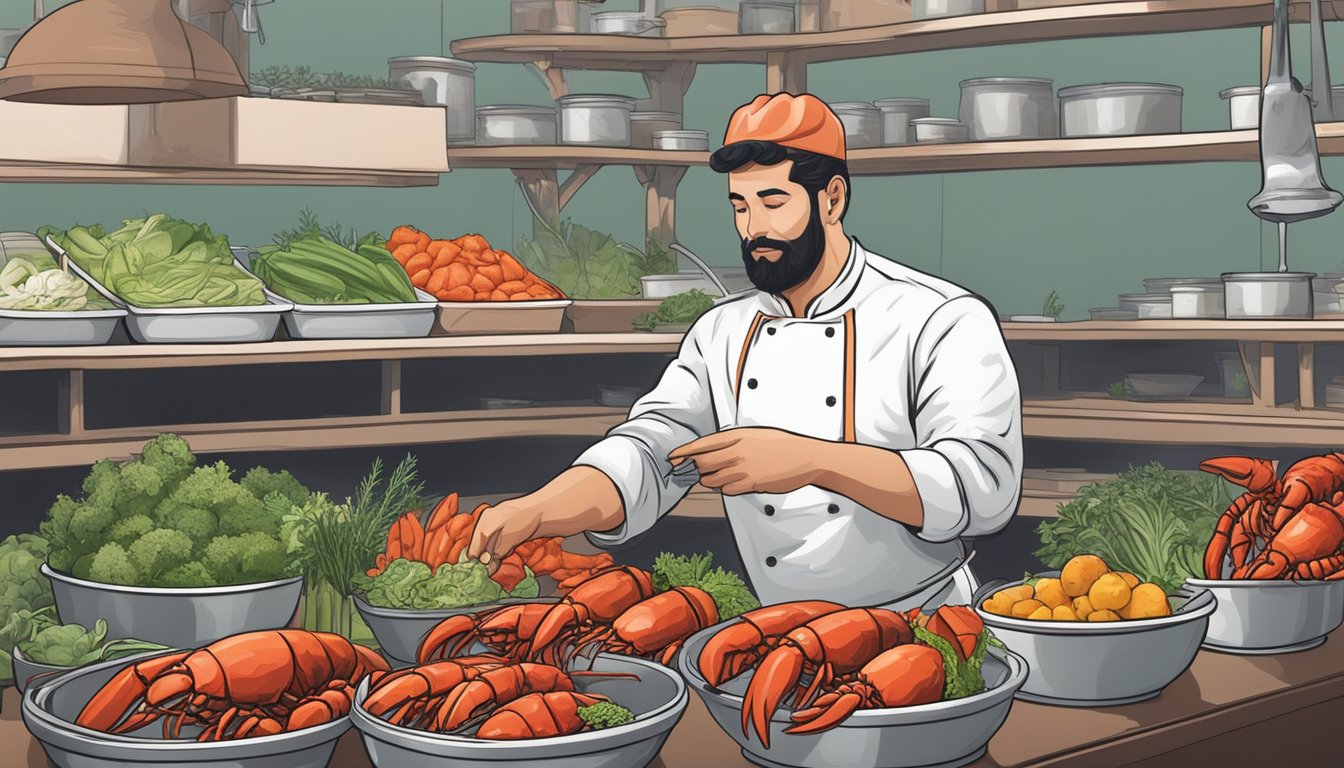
937, 121
1198, 288
606, 99
656, 116
690, 133
1145, 297
1115, 89
1039, 81
118, 52
1267, 277
852, 106
900, 102
432, 62
516, 109
1240, 90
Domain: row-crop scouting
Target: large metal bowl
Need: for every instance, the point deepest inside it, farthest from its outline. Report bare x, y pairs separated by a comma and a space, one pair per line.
31, 673
1082, 664
177, 618
400, 630
658, 699
944, 734
1263, 617
49, 711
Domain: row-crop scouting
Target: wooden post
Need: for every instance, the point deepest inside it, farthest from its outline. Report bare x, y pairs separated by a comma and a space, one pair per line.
667, 87
784, 71
1306, 375
1266, 48
552, 76
543, 192
70, 398
660, 190
390, 392
1050, 369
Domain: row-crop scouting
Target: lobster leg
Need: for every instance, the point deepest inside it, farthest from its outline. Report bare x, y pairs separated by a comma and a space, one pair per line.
903, 676
1320, 569
1223, 533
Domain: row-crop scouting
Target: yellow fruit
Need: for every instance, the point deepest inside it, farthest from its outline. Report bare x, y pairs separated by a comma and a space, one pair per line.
1051, 592
1013, 594
1109, 593
1041, 614
1130, 579
1080, 572
1024, 608
996, 607
1064, 613
1147, 601
1103, 616
1082, 607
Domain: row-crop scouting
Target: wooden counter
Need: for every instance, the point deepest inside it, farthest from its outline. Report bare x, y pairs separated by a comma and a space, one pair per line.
1226, 711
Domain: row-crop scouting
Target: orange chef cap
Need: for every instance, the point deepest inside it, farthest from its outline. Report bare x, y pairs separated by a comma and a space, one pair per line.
801, 122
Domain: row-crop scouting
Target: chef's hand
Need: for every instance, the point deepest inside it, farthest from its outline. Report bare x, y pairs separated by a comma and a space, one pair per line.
752, 460
501, 528
579, 499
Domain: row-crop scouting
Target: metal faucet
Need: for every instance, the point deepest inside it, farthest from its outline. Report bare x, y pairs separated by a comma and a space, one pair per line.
1292, 188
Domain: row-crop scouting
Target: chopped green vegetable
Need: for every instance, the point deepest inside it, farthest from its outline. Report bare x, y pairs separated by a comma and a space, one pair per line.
962, 678
1117, 390
1150, 521
305, 77
730, 593
311, 267
681, 309
71, 645
410, 584
587, 264
605, 714
24, 591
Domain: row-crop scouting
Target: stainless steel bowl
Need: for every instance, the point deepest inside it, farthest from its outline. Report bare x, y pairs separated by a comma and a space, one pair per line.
1082, 664
515, 124
1280, 295
49, 712
595, 119
628, 23
862, 121
399, 630
658, 699
999, 108
177, 618
944, 734
1265, 617
29, 673
1119, 109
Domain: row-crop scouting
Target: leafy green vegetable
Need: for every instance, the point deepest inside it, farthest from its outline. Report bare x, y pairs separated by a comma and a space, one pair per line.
161, 262
730, 593
316, 266
47, 641
1150, 521
605, 714
1117, 389
681, 309
410, 584
311, 227
305, 77
1052, 307
962, 678
24, 285
586, 264
23, 592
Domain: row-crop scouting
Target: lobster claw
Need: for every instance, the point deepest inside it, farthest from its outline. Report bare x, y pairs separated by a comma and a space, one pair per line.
1255, 475
778, 673
106, 709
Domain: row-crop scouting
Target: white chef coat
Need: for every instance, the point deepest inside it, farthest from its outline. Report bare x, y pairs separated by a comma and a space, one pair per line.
886, 356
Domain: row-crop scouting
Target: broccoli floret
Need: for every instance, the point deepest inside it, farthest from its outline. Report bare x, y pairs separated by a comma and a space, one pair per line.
192, 574
56, 530
170, 456
157, 552
100, 474
223, 559
262, 482
212, 488
83, 566
135, 489
200, 525
127, 530
264, 557
90, 523
605, 714
113, 566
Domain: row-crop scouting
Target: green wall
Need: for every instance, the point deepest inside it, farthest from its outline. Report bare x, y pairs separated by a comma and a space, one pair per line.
1012, 235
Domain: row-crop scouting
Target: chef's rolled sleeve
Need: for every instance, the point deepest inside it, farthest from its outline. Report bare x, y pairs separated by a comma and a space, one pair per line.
634, 454
967, 413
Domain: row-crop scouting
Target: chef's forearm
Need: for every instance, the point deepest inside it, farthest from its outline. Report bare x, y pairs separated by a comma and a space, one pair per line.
580, 499
875, 478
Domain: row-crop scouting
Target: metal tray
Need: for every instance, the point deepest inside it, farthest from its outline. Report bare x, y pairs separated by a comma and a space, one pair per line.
468, 318
49, 712
405, 320
658, 699
191, 325
31, 328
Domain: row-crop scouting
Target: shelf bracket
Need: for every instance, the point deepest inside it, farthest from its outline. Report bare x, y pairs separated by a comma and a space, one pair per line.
552, 76
70, 401
1050, 369
1306, 375
668, 87
1257, 357
575, 181
543, 193
390, 391
785, 71
660, 190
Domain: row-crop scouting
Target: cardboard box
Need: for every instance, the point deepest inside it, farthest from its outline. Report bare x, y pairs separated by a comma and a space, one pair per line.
280, 133
63, 133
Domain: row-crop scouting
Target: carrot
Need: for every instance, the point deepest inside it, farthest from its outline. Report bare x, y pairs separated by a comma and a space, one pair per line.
443, 511
418, 262
402, 235
539, 292
513, 286
474, 243
422, 240
512, 269
498, 295
489, 256
522, 296
482, 296
438, 280
458, 275
436, 548
434, 247
420, 279
451, 248
441, 261
460, 293
481, 283
403, 253
492, 272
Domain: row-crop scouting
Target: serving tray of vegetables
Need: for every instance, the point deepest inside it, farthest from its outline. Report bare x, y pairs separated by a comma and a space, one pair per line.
42, 304
178, 282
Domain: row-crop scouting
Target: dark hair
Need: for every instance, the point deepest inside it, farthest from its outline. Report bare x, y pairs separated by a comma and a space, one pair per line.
810, 170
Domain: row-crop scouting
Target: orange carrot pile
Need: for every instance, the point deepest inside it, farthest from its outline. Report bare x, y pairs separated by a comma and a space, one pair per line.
446, 535
465, 269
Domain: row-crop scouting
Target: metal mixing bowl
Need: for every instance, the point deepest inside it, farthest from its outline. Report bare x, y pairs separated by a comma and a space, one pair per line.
1082, 664
944, 734
658, 699
177, 618
1263, 617
49, 712
400, 630
29, 673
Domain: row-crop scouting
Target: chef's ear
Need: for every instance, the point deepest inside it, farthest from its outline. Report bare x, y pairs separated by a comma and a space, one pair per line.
836, 196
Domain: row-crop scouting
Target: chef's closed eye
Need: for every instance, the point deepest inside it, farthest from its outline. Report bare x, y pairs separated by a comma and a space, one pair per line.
738, 202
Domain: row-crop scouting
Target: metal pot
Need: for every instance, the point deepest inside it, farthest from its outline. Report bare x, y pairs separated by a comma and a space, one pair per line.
862, 121
1268, 294
766, 17
596, 119
940, 130
1009, 108
1149, 306
1197, 301
896, 116
927, 9
1244, 104
442, 82
515, 124
693, 140
643, 125
628, 23
1119, 109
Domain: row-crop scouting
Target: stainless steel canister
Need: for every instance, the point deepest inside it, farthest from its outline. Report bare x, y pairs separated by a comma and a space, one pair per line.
1268, 294
442, 82
862, 121
896, 117
644, 124
940, 130
596, 119
515, 124
767, 17
628, 23
1119, 109
998, 108
693, 140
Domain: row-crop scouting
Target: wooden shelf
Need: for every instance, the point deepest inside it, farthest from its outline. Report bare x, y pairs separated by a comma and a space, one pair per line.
1098, 419
613, 52
568, 158
1289, 331
46, 173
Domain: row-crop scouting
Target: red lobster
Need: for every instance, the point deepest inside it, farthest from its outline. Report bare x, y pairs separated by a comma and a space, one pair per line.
1281, 527
656, 627
407, 695
740, 645
539, 716
599, 600
253, 684
505, 631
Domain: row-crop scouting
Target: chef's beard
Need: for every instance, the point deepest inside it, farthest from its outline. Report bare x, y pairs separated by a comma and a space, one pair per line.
797, 261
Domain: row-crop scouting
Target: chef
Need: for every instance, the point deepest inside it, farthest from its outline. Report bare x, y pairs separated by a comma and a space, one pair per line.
861, 418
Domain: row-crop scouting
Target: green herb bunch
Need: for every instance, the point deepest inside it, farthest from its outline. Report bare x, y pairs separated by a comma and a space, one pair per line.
730, 593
